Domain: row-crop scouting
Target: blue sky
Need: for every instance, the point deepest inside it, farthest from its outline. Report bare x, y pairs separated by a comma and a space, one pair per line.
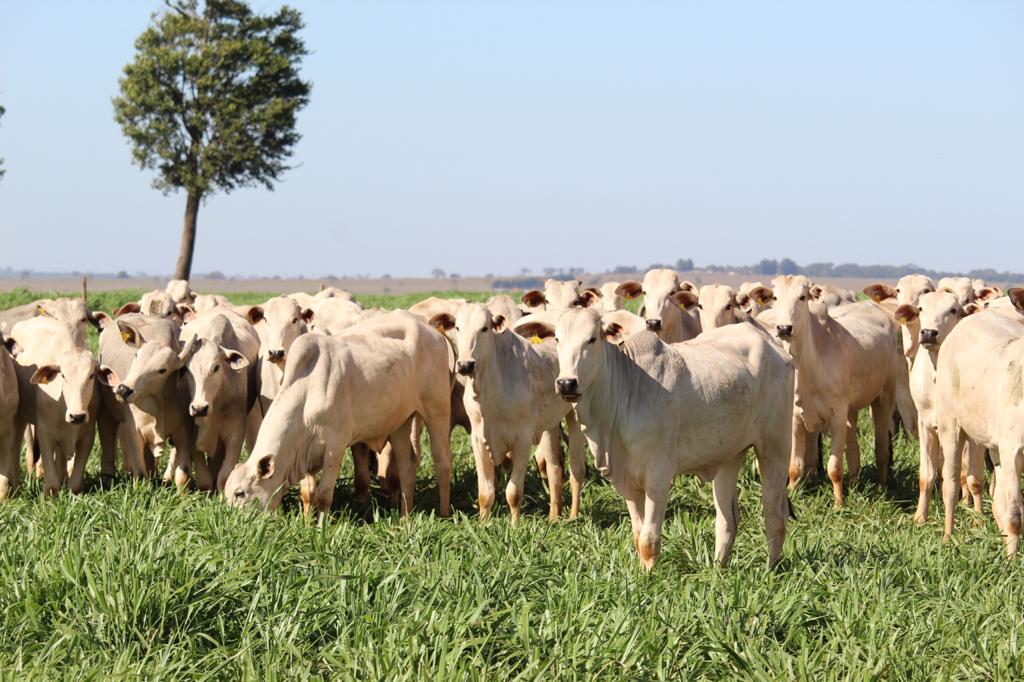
487, 136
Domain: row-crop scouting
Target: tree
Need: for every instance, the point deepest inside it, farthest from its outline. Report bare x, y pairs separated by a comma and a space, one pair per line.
210, 101
438, 273
787, 266
684, 264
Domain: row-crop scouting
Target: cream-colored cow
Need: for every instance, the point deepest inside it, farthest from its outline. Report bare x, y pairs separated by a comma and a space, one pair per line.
655, 411
979, 397
219, 366
845, 361
754, 298
57, 377
909, 290
512, 405
364, 385
11, 425
669, 305
936, 313
718, 307
557, 295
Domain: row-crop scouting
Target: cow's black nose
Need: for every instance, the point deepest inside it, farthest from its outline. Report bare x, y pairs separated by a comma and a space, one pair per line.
76, 418
275, 355
785, 330
929, 336
124, 391
199, 410
568, 387
465, 367
654, 325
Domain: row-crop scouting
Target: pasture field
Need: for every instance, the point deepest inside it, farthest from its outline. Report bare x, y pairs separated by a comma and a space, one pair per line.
138, 581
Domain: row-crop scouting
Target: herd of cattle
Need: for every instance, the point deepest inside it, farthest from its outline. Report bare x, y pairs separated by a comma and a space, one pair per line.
685, 387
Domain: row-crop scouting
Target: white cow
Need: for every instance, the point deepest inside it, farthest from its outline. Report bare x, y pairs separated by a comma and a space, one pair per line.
655, 411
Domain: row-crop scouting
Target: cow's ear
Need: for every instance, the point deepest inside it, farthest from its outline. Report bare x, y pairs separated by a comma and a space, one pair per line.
130, 335
186, 312
307, 315
535, 329
906, 314
534, 298
879, 292
254, 314
129, 307
11, 345
443, 322
816, 292
684, 299
987, 293
265, 466
588, 297
629, 289
498, 323
1017, 298
45, 374
971, 308
613, 333
687, 285
100, 319
762, 295
236, 360
107, 376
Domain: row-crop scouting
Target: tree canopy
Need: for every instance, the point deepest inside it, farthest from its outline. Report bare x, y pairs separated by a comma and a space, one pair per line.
210, 100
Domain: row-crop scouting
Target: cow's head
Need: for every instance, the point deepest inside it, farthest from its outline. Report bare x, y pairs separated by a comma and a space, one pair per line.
718, 306
206, 366
791, 302
284, 321
474, 328
937, 312
76, 374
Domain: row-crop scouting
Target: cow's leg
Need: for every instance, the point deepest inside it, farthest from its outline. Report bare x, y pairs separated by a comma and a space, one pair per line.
655, 504
307, 488
201, 471
484, 475
107, 427
635, 505
55, 466
406, 462
852, 447
727, 508
975, 473
931, 463
1008, 494
771, 457
83, 448
439, 430
951, 441
551, 448
577, 462
361, 472
881, 416
334, 456
10, 466
798, 457
133, 457
835, 459
387, 474
232, 452
517, 481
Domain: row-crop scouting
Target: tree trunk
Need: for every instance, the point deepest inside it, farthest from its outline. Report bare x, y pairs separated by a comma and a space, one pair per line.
188, 237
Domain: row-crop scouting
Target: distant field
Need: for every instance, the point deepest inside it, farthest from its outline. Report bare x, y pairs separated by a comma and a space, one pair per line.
140, 582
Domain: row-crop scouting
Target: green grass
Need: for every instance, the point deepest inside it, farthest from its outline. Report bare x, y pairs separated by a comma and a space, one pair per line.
138, 581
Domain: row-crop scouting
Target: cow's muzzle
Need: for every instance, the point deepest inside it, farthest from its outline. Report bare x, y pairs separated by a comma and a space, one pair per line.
569, 389
784, 331
654, 325
929, 337
124, 392
199, 410
275, 356
465, 367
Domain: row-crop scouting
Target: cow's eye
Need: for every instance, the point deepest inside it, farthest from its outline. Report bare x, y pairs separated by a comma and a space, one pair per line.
803, 298
952, 311
920, 309
216, 368
294, 321
456, 327
483, 328
897, 290
162, 371
927, 291
700, 307
728, 306
774, 298
591, 340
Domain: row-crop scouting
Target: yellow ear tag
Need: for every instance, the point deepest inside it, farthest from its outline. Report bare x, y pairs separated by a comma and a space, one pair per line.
126, 336
440, 329
40, 310
682, 307
536, 339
